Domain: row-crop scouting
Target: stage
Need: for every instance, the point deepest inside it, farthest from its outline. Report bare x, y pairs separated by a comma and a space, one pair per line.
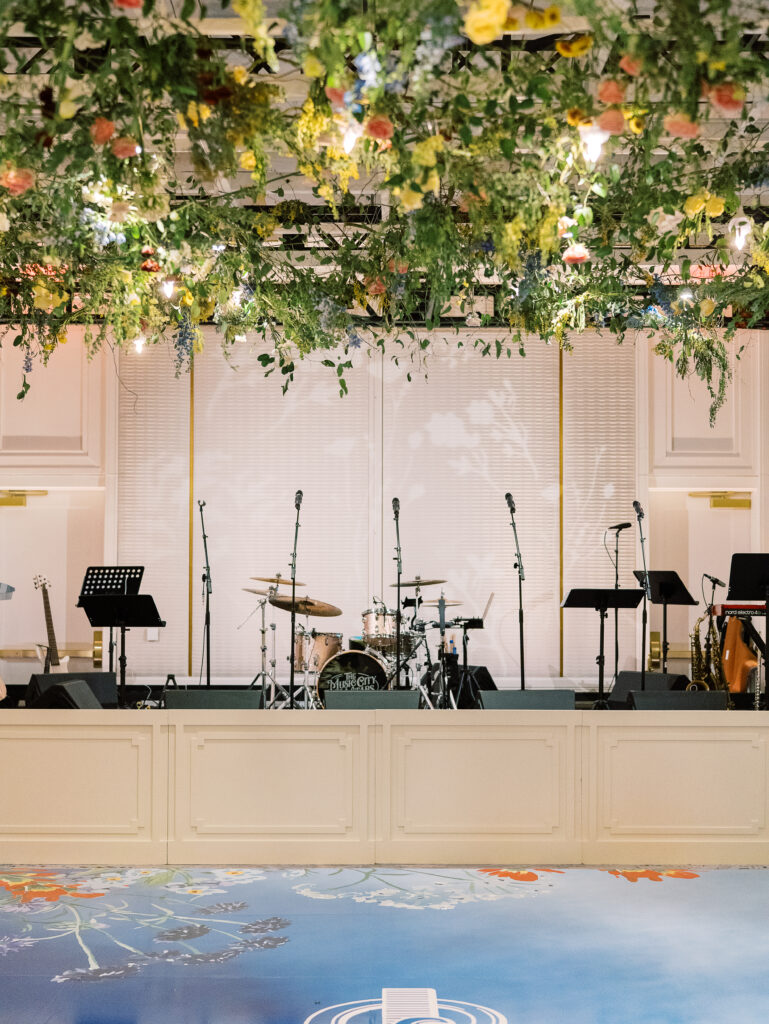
419, 787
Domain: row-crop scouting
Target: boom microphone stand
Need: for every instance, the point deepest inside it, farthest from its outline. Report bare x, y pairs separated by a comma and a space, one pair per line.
521, 577
617, 529
207, 589
647, 592
399, 566
297, 505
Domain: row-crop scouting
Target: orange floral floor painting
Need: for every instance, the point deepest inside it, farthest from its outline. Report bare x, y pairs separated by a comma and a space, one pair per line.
484, 945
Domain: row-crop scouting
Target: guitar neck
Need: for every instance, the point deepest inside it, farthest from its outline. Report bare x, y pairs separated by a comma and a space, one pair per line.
53, 650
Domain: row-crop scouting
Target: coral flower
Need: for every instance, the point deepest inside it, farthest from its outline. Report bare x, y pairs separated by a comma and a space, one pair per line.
630, 65
102, 130
611, 91
379, 127
129, 4
681, 127
728, 97
611, 121
125, 147
576, 253
17, 180
375, 285
336, 96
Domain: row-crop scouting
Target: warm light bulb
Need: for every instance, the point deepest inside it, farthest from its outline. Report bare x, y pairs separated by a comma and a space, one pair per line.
739, 228
686, 295
351, 136
139, 342
237, 297
592, 138
168, 287
241, 338
218, 248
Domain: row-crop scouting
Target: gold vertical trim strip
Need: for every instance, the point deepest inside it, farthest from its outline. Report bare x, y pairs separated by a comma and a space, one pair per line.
191, 523
560, 509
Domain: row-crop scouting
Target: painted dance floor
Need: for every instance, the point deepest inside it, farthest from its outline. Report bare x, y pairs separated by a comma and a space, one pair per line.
382, 945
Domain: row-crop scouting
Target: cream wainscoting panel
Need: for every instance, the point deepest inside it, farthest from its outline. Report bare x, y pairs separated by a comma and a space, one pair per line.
468, 786
676, 787
267, 787
92, 789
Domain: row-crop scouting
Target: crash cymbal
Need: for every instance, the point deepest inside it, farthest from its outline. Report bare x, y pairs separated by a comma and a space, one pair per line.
305, 606
417, 582
446, 604
250, 590
277, 580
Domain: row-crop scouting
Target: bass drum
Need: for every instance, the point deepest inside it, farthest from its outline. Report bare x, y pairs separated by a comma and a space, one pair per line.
352, 670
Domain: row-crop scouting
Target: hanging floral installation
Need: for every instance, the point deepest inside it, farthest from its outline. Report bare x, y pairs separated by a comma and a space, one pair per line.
339, 175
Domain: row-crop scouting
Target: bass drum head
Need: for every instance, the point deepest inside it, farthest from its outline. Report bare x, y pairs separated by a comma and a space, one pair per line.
352, 670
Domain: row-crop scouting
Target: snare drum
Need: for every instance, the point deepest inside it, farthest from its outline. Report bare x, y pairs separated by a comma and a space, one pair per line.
353, 670
312, 650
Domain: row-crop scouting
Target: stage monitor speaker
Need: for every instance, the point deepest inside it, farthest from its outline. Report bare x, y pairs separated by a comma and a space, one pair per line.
209, 697
372, 700
679, 700
655, 681
103, 685
75, 693
552, 700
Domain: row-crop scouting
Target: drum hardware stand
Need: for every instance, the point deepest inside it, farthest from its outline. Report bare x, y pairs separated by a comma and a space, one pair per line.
297, 505
263, 674
207, 591
646, 592
398, 613
444, 697
519, 566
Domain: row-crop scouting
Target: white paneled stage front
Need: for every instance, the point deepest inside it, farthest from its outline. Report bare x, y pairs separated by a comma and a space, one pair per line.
440, 787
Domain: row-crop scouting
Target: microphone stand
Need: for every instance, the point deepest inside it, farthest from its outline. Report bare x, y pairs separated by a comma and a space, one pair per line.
207, 588
399, 566
298, 505
647, 594
519, 566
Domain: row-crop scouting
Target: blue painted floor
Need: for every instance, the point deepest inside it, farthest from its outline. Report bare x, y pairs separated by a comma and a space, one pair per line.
334, 946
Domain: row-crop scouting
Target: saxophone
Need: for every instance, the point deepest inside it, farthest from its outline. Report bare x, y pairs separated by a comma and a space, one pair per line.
699, 673
707, 673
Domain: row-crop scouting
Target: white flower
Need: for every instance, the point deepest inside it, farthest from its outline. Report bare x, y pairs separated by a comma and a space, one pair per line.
5, 224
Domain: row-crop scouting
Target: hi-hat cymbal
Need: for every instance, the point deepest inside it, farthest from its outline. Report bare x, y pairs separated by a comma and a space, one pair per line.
305, 606
250, 590
446, 604
417, 582
277, 580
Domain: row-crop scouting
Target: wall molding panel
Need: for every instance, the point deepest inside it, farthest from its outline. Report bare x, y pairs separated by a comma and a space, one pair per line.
399, 787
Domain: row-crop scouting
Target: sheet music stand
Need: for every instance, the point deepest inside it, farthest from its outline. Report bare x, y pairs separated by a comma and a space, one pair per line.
749, 581
121, 611
601, 599
110, 579
666, 588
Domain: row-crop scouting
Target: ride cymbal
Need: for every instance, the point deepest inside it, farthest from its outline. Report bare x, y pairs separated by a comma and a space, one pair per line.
446, 604
417, 582
305, 606
277, 580
261, 593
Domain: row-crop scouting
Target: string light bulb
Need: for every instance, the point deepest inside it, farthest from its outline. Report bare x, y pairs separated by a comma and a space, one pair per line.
237, 296
592, 139
739, 229
139, 343
168, 287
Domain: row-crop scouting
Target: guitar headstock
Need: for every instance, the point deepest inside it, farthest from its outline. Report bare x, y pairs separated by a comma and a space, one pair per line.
41, 582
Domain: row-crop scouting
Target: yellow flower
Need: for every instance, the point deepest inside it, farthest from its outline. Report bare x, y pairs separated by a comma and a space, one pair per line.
534, 19
485, 20
181, 120
240, 74
701, 56
575, 116
247, 160
187, 297
409, 199
575, 47
714, 206
694, 205
552, 15
717, 65
312, 67
68, 109
636, 124
707, 306
426, 152
192, 112
432, 183
204, 111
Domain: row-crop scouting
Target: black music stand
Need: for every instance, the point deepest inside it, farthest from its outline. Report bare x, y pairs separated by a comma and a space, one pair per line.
666, 588
110, 579
121, 611
601, 599
749, 581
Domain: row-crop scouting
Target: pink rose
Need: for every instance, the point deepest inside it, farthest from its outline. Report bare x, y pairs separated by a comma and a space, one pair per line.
379, 127
102, 130
727, 97
611, 121
125, 147
611, 91
129, 4
397, 268
576, 253
630, 65
375, 285
681, 127
17, 180
335, 96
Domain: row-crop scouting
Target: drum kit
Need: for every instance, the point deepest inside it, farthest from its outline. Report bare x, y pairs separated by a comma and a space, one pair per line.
370, 661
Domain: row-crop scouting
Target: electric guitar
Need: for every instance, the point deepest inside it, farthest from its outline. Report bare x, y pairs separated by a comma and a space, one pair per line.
50, 657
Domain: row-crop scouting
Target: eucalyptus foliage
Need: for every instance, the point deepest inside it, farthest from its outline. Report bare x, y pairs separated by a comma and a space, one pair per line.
149, 175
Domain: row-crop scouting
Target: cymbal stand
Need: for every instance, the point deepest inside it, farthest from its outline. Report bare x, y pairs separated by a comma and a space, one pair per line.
263, 674
647, 592
519, 566
443, 691
207, 591
297, 506
399, 567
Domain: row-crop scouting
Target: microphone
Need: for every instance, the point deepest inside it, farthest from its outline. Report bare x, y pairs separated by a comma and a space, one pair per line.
620, 526
510, 502
298, 500
638, 510
201, 503
718, 583
396, 507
